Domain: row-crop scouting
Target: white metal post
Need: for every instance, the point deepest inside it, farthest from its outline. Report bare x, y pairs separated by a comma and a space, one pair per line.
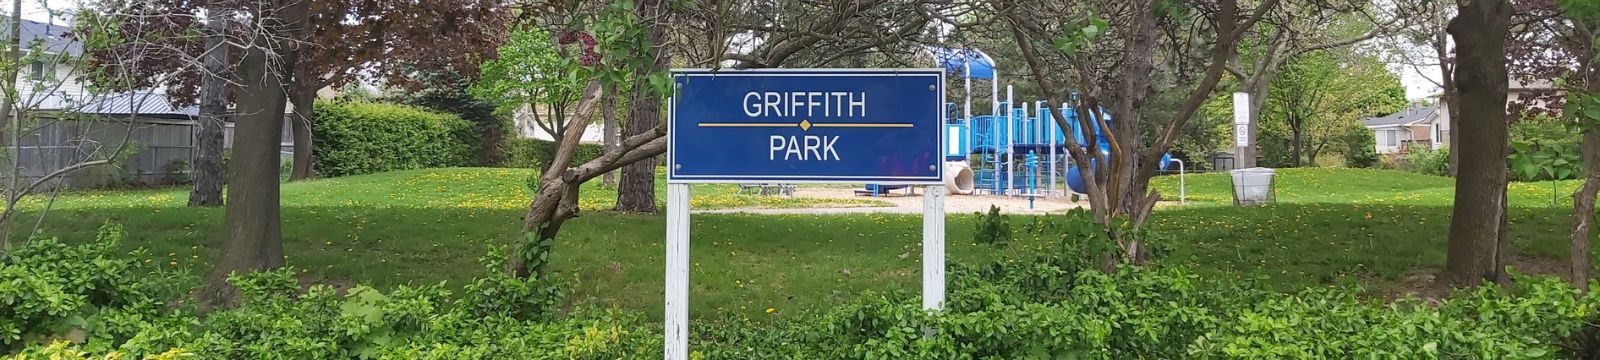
994, 90
677, 306
933, 247
1051, 129
1183, 186
967, 68
1011, 137
1040, 126
994, 83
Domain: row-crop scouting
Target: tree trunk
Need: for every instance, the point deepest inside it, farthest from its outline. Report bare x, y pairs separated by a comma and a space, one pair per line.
1583, 212
1475, 243
1294, 150
8, 115
303, 94
637, 191
556, 198
1448, 95
1583, 201
254, 234
556, 201
214, 92
609, 106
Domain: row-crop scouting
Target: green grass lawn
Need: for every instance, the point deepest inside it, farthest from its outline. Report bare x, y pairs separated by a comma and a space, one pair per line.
422, 227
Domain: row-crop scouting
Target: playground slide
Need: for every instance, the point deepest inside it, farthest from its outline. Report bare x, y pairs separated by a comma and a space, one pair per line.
958, 178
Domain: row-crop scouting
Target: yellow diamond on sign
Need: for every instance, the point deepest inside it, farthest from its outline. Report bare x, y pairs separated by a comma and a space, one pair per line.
805, 124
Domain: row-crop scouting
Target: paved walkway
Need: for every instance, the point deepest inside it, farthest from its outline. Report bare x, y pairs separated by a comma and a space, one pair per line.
908, 204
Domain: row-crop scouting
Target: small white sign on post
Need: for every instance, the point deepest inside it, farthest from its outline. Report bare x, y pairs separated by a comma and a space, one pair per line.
1241, 108
1241, 119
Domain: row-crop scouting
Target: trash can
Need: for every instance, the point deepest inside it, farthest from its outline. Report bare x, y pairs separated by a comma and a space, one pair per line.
1253, 186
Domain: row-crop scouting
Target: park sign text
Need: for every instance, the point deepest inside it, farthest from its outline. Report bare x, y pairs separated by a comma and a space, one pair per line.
807, 126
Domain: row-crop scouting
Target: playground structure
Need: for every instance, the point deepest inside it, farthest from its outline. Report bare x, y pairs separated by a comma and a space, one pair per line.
1018, 149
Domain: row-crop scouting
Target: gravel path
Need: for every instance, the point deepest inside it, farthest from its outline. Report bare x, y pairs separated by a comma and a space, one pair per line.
907, 204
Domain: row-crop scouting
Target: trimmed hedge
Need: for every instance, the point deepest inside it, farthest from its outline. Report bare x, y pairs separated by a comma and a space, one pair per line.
535, 154
354, 138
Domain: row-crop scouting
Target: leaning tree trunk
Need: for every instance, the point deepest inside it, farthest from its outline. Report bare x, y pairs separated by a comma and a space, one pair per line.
1475, 251
214, 93
254, 233
556, 199
637, 191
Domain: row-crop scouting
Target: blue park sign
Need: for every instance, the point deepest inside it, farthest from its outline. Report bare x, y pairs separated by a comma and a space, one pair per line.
882, 126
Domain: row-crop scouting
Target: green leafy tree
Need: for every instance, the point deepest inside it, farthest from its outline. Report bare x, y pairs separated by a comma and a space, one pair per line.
532, 71
1322, 93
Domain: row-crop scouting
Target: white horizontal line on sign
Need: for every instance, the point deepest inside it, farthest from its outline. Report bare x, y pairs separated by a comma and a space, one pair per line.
834, 125
805, 75
749, 124
879, 125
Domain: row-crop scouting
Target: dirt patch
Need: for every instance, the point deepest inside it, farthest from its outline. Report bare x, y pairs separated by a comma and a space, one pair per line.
1423, 283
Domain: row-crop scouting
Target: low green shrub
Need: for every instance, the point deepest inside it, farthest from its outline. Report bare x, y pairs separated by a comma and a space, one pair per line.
1053, 305
355, 138
536, 154
1426, 161
994, 228
1360, 148
90, 291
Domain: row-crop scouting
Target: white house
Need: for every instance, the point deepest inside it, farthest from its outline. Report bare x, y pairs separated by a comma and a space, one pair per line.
1429, 125
49, 81
1417, 125
527, 128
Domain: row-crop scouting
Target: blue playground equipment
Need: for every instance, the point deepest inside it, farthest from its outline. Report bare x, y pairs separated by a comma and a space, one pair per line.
1023, 152
1017, 149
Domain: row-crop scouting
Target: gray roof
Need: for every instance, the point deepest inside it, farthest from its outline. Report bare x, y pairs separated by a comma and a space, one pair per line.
55, 38
145, 104
1406, 116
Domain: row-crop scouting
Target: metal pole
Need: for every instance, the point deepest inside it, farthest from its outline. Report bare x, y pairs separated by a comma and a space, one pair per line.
933, 247
1183, 186
677, 299
1052, 130
994, 90
966, 66
1011, 135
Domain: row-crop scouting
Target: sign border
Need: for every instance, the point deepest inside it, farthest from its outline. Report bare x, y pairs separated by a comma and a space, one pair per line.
672, 165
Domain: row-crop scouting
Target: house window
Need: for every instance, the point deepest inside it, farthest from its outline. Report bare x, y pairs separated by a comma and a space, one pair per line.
1391, 137
39, 71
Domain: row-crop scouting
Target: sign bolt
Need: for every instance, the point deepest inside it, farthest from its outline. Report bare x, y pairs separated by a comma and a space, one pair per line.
677, 166
932, 88
934, 168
